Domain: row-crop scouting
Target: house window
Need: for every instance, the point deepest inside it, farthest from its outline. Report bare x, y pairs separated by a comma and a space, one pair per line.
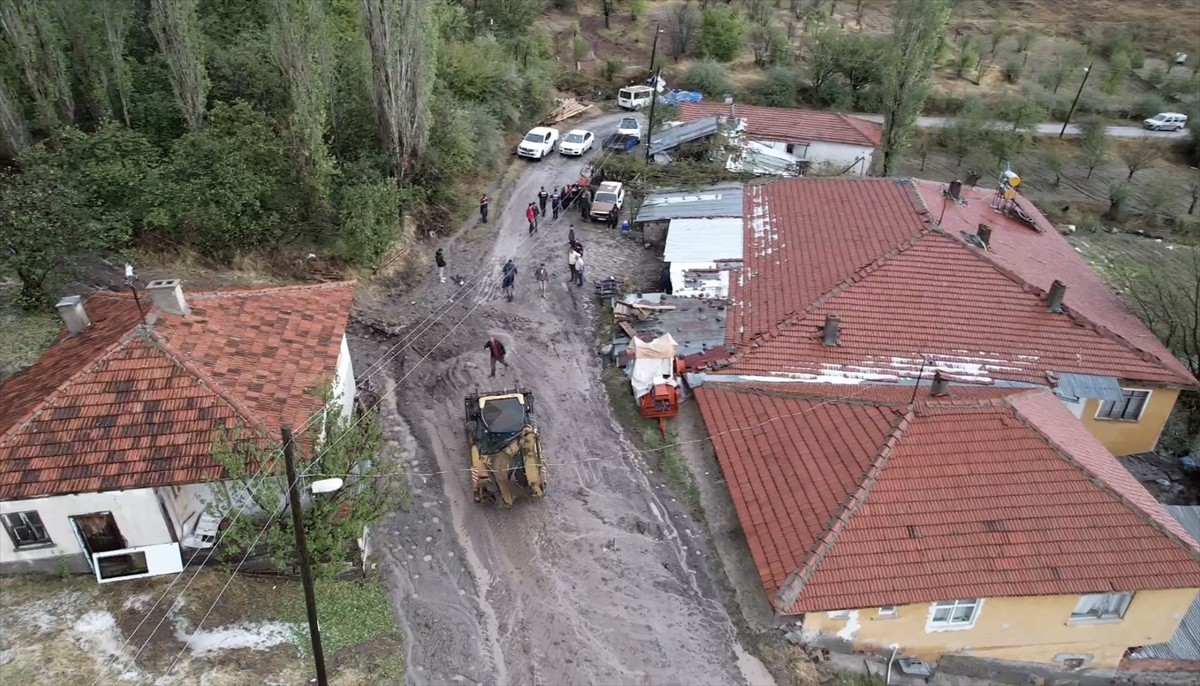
838, 614
1100, 606
1127, 409
887, 611
954, 613
25, 529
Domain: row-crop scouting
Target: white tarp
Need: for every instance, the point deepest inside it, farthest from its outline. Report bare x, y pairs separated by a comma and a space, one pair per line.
653, 364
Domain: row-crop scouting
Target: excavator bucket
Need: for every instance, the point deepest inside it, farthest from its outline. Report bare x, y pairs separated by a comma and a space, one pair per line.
504, 445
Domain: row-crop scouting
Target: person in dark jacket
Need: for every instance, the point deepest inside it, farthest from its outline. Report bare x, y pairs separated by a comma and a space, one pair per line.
440, 259
543, 196
571, 235
585, 203
614, 216
508, 279
555, 203
496, 352
483, 208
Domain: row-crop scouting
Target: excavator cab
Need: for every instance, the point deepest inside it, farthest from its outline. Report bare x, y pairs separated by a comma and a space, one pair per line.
506, 453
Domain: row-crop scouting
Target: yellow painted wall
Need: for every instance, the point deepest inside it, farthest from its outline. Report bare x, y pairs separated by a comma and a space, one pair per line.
1128, 438
1028, 629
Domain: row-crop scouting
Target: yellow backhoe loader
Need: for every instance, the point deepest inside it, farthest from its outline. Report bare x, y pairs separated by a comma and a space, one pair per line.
506, 455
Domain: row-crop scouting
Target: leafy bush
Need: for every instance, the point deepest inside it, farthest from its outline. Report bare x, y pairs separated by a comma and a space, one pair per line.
1148, 105
369, 215
779, 88
967, 59
721, 32
1012, 71
708, 77
1157, 76
1056, 104
611, 69
1119, 67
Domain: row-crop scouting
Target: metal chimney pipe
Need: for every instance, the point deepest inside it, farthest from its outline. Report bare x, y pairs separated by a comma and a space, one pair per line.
985, 235
833, 327
955, 189
940, 385
1054, 298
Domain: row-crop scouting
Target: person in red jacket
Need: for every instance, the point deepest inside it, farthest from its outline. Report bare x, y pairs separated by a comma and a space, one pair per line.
496, 352
531, 215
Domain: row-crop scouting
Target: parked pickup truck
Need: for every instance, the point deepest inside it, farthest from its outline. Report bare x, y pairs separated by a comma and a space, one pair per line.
620, 142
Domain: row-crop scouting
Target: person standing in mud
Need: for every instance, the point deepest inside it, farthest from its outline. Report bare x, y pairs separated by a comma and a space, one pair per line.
572, 256
496, 352
585, 203
555, 203
483, 208
579, 269
508, 279
543, 196
440, 259
571, 235
531, 216
542, 277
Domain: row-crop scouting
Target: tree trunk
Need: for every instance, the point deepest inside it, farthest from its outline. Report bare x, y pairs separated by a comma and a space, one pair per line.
402, 63
116, 26
176, 28
14, 135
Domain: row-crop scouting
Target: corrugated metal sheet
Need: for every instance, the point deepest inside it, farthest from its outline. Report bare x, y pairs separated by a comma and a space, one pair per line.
678, 135
1185, 644
696, 324
1076, 386
722, 200
704, 240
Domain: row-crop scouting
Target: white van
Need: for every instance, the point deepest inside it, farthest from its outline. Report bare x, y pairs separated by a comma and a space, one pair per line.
1166, 121
635, 97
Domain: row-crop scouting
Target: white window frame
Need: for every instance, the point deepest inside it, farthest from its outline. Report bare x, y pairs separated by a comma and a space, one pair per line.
22, 520
1120, 600
953, 606
888, 611
1100, 412
838, 614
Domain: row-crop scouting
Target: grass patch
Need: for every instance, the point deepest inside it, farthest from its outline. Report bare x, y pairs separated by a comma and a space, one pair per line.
357, 629
23, 336
666, 457
842, 679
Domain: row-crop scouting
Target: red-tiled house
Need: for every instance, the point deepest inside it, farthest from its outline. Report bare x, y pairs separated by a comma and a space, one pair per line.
819, 138
105, 442
968, 519
877, 280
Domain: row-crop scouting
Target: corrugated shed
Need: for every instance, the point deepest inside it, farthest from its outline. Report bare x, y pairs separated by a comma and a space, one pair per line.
722, 200
1076, 386
704, 240
1185, 644
678, 135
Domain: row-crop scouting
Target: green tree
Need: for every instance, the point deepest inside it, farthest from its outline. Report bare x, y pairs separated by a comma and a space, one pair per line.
961, 135
1119, 67
1094, 143
769, 45
227, 187
708, 77
115, 16
1053, 161
1139, 155
917, 27
14, 134
683, 23
721, 32
1022, 114
845, 67
1119, 193
45, 227
332, 522
968, 57
35, 39
403, 61
369, 216
177, 30
1024, 44
1068, 60
780, 87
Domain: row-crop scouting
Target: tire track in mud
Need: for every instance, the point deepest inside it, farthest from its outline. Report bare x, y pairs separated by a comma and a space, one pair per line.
592, 584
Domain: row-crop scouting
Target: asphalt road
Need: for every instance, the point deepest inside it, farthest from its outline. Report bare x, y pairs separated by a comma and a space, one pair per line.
1051, 128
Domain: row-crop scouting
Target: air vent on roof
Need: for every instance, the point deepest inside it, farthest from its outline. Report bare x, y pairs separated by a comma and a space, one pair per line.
70, 308
1054, 298
833, 327
955, 190
984, 232
940, 385
167, 295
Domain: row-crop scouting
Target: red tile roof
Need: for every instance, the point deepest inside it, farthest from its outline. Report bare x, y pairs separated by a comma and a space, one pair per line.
907, 290
126, 405
791, 125
988, 492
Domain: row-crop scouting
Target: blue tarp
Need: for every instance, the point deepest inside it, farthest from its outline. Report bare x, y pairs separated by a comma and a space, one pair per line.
676, 96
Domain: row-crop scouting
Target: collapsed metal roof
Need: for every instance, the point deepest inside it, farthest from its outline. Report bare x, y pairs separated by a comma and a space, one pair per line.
1185, 644
704, 240
675, 136
721, 200
1078, 386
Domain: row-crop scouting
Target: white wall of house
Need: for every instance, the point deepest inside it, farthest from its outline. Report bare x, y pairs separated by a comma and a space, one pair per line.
219, 499
820, 152
137, 513
343, 380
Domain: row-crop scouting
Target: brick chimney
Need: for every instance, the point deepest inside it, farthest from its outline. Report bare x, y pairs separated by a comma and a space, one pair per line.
1054, 298
833, 327
70, 308
984, 232
167, 295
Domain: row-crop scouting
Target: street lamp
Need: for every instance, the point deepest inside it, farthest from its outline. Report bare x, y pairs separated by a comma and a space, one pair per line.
1086, 71
306, 578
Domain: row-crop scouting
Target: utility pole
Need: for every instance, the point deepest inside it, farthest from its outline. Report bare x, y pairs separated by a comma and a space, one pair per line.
650, 124
310, 595
654, 51
1086, 73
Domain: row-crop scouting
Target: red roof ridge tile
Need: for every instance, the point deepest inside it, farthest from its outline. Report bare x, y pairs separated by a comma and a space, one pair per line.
49, 398
1072, 313
255, 291
792, 319
794, 584
1101, 483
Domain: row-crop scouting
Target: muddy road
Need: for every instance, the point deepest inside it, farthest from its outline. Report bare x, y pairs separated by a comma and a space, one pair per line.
606, 580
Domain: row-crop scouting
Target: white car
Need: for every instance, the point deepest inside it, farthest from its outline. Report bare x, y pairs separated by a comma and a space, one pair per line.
576, 142
538, 143
1166, 121
629, 126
